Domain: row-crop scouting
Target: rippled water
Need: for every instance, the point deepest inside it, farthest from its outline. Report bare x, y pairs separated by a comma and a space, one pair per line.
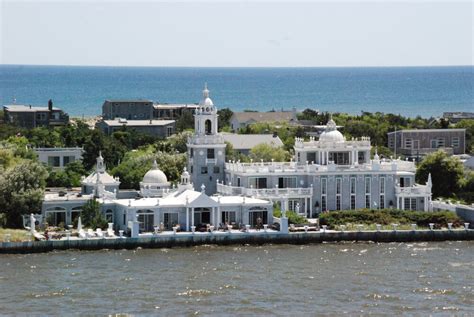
419, 278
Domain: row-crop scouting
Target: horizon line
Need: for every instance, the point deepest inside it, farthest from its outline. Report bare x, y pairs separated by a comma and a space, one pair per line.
175, 66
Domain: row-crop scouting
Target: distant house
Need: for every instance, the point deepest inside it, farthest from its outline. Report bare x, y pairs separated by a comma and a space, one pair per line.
455, 117
243, 143
58, 158
30, 117
242, 119
160, 128
131, 109
172, 111
420, 142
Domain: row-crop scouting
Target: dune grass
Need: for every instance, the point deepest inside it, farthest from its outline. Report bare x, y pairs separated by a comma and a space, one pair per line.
16, 235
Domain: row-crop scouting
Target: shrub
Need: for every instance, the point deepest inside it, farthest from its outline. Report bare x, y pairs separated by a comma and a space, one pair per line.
388, 216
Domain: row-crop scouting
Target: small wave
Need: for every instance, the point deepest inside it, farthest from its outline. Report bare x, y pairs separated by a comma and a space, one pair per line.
195, 292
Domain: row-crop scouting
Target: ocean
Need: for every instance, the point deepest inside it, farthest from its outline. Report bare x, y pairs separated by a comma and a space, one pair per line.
354, 279
410, 91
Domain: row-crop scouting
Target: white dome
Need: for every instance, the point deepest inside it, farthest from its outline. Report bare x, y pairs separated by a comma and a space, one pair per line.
155, 176
331, 136
207, 102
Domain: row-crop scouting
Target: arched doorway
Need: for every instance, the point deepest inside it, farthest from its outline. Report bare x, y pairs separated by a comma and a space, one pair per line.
208, 126
56, 216
146, 220
258, 212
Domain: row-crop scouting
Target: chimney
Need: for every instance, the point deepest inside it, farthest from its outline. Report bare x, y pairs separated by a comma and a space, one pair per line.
50, 105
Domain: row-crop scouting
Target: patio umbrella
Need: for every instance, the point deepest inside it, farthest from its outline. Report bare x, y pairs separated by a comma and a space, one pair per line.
79, 224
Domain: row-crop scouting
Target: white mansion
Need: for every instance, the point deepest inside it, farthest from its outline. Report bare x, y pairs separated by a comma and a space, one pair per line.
329, 174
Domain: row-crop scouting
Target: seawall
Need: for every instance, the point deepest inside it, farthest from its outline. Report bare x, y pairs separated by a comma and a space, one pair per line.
258, 238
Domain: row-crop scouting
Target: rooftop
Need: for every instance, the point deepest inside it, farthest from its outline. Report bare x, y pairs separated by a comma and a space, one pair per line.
264, 116
428, 130
248, 141
137, 123
27, 108
129, 100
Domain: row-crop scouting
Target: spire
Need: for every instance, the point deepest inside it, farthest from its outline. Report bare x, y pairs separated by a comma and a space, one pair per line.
155, 165
429, 183
100, 163
205, 92
203, 188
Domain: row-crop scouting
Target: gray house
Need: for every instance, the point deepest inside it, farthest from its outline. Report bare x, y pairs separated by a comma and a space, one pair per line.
138, 109
419, 142
160, 128
30, 117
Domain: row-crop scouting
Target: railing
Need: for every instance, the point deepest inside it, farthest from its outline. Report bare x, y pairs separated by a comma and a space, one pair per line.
416, 190
293, 167
263, 192
351, 144
206, 139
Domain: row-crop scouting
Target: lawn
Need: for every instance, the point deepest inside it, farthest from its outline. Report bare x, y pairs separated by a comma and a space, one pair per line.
16, 235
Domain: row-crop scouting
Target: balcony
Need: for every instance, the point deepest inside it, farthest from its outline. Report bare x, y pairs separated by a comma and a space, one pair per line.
413, 191
295, 168
272, 193
206, 139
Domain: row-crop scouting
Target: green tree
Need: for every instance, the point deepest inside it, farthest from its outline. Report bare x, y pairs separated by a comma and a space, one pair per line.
21, 190
469, 126
185, 121
224, 117
446, 172
91, 215
267, 152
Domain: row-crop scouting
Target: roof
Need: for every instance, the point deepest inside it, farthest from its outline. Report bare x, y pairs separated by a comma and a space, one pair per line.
239, 200
105, 179
194, 198
428, 130
263, 116
175, 106
27, 108
248, 141
137, 123
129, 100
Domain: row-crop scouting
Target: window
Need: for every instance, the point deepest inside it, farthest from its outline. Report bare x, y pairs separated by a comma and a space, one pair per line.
455, 142
324, 190
353, 185
169, 131
361, 157
217, 170
339, 158
382, 202
353, 192
436, 143
287, 182
382, 185
323, 203
338, 185
353, 202
367, 185
294, 205
191, 170
170, 220
408, 143
228, 217
311, 157
410, 204
258, 182
324, 183
210, 153
191, 153
68, 159
367, 192
53, 161
204, 170
238, 181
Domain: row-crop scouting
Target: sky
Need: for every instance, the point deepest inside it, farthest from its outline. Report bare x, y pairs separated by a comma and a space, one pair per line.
237, 34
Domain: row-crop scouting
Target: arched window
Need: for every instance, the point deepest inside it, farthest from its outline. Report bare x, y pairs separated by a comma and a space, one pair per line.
208, 126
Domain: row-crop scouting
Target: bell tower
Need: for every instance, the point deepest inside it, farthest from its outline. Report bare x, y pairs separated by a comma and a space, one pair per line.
206, 148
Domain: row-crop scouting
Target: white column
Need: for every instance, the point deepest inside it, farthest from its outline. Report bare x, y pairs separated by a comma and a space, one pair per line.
192, 216
310, 207
187, 219
398, 202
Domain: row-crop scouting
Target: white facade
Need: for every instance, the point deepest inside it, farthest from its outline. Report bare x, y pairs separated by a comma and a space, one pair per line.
58, 158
